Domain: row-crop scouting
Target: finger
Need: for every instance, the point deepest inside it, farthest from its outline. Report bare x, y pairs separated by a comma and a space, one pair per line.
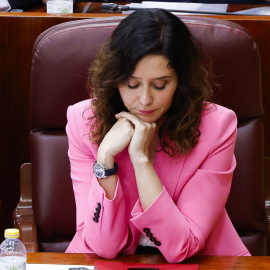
154, 125
127, 125
123, 115
132, 118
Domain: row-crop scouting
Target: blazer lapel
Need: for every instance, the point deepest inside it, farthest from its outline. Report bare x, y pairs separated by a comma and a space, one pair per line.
169, 170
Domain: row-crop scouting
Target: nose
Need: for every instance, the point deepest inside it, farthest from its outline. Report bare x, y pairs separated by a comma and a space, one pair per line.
146, 97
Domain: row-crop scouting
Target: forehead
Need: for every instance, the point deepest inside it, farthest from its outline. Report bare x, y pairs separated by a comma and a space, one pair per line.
153, 66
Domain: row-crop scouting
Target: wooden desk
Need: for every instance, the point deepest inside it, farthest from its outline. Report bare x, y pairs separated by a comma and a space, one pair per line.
205, 262
18, 32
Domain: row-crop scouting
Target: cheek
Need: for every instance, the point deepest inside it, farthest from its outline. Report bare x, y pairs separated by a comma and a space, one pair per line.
167, 99
167, 102
122, 92
125, 96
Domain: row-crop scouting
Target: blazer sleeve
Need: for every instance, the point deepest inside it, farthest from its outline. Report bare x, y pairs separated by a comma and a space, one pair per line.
101, 223
181, 228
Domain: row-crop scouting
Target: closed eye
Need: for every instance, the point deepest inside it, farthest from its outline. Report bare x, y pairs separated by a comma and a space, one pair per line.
159, 88
133, 86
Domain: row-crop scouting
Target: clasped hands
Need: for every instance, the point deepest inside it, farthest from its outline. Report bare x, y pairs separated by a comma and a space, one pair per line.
129, 131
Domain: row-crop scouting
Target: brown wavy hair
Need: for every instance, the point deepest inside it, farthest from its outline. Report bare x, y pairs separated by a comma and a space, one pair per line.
156, 32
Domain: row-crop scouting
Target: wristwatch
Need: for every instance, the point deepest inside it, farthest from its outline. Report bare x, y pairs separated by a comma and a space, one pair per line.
101, 171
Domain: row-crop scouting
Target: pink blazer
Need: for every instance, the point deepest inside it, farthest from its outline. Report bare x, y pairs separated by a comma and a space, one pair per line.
188, 217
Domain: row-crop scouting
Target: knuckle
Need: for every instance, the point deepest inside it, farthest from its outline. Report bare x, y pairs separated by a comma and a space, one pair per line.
131, 132
142, 127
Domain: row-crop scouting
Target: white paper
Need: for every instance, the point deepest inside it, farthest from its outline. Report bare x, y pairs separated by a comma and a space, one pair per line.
4, 5
32, 266
255, 11
209, 8
59, 6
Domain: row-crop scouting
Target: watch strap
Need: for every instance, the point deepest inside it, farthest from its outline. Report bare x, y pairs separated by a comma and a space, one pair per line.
114, 170
102, 171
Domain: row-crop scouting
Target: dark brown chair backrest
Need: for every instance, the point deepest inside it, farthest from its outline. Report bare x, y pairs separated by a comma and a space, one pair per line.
61, 58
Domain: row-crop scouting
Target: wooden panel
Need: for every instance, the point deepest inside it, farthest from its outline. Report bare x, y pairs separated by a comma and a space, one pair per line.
23, 215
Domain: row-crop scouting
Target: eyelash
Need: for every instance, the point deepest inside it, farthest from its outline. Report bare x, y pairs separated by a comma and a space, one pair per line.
135, 86
159, 88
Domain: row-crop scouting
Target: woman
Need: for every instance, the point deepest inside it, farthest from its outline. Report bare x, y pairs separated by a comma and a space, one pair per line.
151, 160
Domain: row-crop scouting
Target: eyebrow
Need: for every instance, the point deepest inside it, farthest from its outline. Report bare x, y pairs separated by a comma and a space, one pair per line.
159, 78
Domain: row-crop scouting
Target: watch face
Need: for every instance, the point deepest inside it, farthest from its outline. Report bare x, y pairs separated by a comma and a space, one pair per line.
99, 170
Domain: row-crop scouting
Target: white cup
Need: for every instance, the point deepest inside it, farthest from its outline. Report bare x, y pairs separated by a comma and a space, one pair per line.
59, 6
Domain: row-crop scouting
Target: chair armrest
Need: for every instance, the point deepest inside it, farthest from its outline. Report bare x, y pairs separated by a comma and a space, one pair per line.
23, 217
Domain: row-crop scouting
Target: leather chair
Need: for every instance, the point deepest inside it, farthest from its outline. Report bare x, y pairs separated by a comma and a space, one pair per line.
61, 57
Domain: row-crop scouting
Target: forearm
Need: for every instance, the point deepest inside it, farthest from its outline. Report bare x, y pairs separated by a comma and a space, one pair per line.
148, 183
178, 238
108, 183
107, 234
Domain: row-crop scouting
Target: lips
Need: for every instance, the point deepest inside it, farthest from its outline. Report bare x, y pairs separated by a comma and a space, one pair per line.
146, 112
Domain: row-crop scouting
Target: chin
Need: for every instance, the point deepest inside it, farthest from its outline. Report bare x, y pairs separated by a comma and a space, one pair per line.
148, 119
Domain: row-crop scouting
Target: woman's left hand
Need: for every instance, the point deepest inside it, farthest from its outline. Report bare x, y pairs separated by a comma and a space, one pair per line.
139, 146
148, 183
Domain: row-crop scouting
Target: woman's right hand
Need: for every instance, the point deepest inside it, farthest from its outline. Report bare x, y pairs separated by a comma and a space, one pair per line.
117, 139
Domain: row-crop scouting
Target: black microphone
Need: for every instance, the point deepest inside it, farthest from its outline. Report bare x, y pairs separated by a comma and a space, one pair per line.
112, 7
